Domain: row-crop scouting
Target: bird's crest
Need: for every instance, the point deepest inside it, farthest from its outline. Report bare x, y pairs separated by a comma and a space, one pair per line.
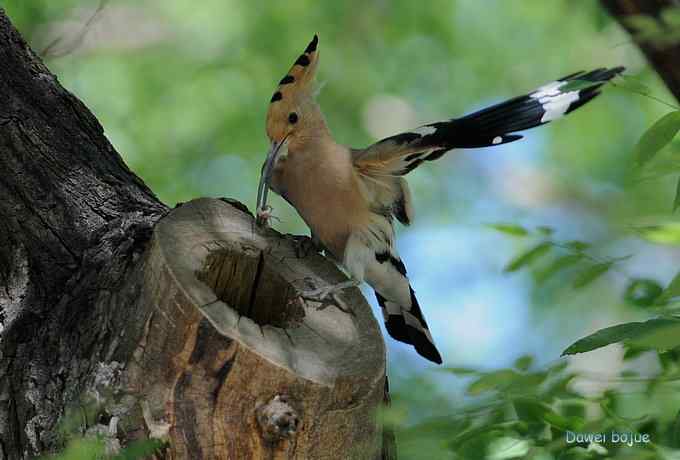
295, 89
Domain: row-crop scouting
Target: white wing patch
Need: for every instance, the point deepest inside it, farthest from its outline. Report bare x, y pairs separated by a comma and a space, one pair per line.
549, 89
425, 130
555, 102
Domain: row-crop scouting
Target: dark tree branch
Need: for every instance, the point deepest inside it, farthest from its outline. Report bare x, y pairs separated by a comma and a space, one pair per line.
73, 221
666, 59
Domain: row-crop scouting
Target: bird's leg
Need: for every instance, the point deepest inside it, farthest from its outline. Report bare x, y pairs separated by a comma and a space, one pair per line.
304, 245
263, 210
327, 295
323, 292
264, 215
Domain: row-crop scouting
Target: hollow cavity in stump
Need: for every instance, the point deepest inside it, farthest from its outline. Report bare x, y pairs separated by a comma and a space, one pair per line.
253, 287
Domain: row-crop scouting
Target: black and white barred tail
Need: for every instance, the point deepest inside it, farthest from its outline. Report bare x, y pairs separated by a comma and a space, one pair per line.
404, 320
370, 256
406, 323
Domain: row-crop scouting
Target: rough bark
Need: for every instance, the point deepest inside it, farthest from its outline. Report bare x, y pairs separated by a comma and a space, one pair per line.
106, 295
664, 59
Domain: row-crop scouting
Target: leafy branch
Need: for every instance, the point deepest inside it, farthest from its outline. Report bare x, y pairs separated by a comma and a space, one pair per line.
573, 255
662, 31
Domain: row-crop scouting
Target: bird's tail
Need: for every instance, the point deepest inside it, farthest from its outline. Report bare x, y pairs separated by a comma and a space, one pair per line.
494, 125
406, 323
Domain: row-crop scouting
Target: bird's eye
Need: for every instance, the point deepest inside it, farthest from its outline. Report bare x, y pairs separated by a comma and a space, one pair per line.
293, 118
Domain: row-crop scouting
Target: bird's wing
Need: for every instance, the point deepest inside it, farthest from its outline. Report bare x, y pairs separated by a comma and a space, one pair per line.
400, 154
388, 195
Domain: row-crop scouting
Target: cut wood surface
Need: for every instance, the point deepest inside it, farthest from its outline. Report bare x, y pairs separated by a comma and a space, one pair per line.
236, 363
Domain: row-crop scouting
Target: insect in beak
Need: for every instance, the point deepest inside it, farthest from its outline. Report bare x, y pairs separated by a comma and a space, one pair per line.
276, 150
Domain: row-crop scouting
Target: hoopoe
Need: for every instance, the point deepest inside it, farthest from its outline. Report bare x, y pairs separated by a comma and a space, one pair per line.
350, 197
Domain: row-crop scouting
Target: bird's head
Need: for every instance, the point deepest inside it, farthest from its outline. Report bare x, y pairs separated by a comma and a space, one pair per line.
294, 117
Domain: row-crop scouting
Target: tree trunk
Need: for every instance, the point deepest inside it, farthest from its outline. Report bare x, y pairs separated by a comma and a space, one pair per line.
665, 59
182, 325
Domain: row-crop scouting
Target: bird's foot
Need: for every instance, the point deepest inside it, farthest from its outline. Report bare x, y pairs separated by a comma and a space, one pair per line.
304, 246
327, 296
264, 215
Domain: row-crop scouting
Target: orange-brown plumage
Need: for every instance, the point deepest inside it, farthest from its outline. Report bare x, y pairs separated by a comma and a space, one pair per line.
349, 197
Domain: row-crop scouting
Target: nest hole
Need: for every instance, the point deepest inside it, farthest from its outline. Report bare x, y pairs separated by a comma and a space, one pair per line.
251, 284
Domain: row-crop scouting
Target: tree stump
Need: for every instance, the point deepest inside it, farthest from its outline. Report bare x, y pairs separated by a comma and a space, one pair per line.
235, 363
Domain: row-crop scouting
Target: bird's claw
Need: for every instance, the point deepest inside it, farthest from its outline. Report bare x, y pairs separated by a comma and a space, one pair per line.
327, 296
264, 215
304, 246
331, 300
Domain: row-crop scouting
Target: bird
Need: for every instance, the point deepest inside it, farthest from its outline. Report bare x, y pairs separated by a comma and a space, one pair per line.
349, 198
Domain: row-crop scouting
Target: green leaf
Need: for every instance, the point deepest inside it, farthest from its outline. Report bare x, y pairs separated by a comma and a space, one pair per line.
610, 401
576, 453
591, 273
676, 201
81, 449
671, 292
536, 414
545, 230
659, 135
528, 257
646, 26
510, 229
671, 16
460, 439
523, 363
668, 233
507, 381
507, 447
564, 423
662, 338
530, 410
461, 370
632, 352
76, 419
642, 292
575, 408
676, 431
437, 427
577, 245
620, 333
633, 84
556, 265
558, 367
496, 380
140, 449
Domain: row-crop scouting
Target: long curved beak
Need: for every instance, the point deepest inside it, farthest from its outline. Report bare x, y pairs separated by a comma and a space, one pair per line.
277, 149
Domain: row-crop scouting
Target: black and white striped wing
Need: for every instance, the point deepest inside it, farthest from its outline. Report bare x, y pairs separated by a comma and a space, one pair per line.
400, 154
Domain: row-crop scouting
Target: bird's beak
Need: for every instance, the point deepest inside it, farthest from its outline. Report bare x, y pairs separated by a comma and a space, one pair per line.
276, 150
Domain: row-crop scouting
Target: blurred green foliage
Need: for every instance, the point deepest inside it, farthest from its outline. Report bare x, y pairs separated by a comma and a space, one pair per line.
84, 437
528, 413
181, 90
662, 31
